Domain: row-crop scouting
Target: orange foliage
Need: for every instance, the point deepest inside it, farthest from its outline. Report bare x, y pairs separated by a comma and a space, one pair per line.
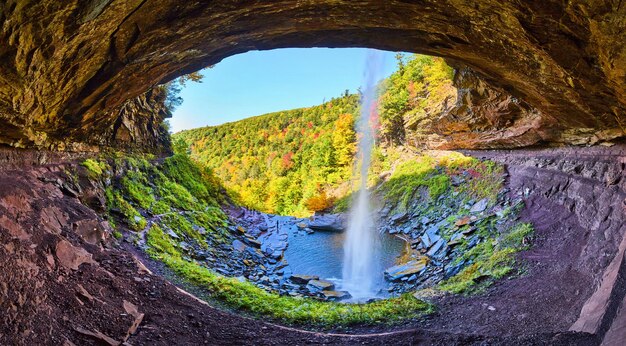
319, 203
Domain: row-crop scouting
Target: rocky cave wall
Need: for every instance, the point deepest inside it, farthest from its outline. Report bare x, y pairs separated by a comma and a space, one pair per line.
69, 68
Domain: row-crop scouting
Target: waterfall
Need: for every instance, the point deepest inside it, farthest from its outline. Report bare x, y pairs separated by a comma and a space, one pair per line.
360, 246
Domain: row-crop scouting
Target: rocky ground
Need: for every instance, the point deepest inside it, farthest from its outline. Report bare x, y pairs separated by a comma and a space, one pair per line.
64, 282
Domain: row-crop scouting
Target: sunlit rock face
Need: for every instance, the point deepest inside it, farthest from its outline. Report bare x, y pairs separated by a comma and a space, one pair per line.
68, 67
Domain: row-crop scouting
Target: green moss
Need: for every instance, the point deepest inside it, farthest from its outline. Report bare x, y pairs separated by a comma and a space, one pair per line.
161, 207
246, 297
134, 185
485, 179
177, 196
403, 185
117, 235
342, 205
159, 243
492, 260
95, 168
199, 181
132, 217
183, 228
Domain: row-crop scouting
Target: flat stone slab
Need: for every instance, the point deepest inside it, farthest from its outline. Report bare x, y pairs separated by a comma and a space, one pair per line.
303, 279
479, 206
438, 249
336, 295
320, 285
409, 268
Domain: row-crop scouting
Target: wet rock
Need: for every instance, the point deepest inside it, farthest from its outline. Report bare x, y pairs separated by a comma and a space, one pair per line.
430, 237
399, 217
250, 240
407, 269
257, 255
452, 270
335, 295
320, 285
239, 246
473, 242
479, 206
199, 229
456, 180
303, 279
184, 245
456, 239
328, 222
200, 255
433, 234
438, 249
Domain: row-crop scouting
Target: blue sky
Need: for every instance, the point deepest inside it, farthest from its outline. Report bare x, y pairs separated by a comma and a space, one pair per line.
260, 82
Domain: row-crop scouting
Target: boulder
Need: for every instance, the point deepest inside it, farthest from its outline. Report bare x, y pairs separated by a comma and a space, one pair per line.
328, 222
430, 237
239, 246
90, 230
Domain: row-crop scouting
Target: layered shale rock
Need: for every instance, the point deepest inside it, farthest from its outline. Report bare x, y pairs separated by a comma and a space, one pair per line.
69, 68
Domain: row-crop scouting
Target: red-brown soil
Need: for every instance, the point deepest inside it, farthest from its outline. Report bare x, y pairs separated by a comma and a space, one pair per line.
63, 281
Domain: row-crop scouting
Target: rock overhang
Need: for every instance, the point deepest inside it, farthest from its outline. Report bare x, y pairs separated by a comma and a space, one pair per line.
75, 74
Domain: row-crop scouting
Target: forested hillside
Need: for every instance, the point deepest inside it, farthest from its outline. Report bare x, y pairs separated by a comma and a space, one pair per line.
298, 161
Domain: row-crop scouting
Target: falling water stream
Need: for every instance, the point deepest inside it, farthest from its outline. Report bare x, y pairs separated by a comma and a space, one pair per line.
361, 242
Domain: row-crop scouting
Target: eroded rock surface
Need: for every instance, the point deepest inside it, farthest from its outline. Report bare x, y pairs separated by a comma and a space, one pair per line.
68, 69
574, 198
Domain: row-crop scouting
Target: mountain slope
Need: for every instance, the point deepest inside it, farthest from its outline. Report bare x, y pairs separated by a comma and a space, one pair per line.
298, 161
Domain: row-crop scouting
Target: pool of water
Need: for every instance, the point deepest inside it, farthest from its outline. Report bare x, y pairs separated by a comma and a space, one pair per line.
321, 253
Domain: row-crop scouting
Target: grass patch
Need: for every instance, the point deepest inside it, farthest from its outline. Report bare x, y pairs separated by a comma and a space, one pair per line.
246, 297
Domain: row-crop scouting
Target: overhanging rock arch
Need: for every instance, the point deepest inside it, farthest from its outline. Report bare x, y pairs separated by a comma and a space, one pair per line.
73, 72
